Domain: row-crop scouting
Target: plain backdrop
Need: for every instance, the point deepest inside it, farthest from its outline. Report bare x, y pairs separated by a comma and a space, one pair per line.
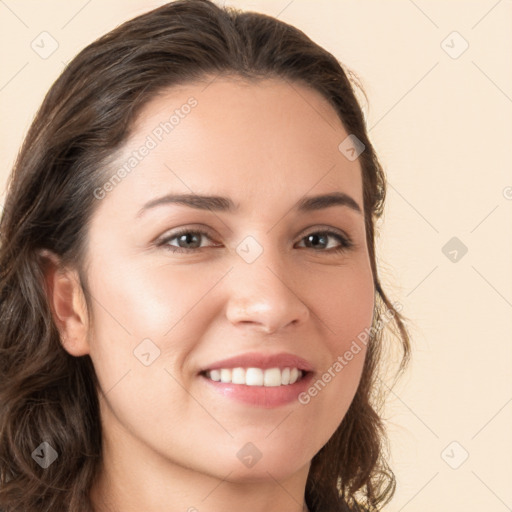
438, 77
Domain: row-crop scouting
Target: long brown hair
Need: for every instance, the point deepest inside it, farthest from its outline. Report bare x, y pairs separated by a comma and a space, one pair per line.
46, 395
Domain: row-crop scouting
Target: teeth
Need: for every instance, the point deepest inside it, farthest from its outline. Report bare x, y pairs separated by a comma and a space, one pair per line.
225, 375
270, 377
253, 376
238, 376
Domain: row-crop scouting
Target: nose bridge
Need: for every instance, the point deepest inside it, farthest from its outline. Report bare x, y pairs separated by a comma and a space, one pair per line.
262, 292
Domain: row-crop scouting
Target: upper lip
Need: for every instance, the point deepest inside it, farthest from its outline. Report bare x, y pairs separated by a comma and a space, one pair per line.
263, 361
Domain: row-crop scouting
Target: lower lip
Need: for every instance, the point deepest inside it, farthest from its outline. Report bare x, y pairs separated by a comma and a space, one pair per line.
262, 396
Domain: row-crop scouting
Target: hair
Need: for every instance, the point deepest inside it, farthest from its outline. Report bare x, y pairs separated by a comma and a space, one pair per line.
48, 395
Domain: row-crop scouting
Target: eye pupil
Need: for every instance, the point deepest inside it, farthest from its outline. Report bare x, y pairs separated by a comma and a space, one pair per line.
186, 237
315, 238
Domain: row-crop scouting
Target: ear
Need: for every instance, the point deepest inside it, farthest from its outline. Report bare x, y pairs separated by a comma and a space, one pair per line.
67, 303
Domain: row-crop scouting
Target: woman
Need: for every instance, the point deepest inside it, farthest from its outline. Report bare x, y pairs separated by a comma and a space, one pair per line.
191, 315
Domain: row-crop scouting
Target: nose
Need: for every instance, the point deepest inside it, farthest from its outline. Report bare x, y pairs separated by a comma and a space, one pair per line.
263, 295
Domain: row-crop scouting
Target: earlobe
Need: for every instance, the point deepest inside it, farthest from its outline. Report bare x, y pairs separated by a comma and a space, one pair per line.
67, 303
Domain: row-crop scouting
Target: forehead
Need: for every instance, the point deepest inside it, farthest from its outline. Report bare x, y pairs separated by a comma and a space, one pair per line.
252, 141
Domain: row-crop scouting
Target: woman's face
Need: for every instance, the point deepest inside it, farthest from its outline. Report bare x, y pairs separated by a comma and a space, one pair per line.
262, 278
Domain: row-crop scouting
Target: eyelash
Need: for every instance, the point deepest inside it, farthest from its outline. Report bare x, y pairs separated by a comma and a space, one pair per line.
346, 243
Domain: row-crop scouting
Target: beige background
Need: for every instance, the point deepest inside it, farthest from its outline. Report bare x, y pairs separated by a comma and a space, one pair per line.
442, 127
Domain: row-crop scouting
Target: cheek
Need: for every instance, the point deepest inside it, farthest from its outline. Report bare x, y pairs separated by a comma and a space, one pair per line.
147, 320
346, 309
343, 302
141, 309
147, 301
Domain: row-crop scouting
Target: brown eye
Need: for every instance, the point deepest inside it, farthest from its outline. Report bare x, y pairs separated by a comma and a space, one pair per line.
186, 240
319, 241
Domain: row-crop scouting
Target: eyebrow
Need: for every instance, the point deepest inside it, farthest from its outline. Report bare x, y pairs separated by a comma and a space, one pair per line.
225, 204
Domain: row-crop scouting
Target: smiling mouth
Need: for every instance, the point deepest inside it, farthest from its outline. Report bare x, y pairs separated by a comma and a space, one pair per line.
269, 377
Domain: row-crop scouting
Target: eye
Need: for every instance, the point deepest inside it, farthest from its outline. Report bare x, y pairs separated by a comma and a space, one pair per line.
188, 240
322, 238
186, 237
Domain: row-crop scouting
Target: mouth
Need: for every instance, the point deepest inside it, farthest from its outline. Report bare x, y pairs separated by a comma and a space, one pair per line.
263, 377
259, 379
267, 388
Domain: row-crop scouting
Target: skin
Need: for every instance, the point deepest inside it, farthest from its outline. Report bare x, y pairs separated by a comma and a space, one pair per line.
170, 442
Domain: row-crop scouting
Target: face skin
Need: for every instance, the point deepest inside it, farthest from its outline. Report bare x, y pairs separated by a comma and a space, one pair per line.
170, 441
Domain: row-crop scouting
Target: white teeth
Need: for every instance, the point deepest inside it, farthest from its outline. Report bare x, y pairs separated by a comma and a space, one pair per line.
225, 375
270, 377
238, 376
215, 375
253, 377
